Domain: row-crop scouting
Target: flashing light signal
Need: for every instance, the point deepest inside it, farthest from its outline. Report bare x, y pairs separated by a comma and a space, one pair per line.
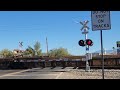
89, 42
81, 43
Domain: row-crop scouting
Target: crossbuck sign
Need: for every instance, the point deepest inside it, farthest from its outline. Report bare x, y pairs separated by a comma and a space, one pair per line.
84, 25
100, 20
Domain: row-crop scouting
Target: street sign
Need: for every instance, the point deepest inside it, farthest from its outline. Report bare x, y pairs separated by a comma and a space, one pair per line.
85, 32
87, 49
100, 20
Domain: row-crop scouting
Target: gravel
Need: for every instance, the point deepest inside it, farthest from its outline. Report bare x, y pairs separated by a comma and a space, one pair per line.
92, 74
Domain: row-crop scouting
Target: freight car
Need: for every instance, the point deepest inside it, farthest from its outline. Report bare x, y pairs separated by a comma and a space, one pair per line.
23, 63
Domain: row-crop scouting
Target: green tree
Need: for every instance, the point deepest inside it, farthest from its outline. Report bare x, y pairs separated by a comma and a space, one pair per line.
37, 49
60, 52
6, 53
29, 51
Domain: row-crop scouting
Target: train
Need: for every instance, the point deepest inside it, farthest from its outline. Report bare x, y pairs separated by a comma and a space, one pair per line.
110, 62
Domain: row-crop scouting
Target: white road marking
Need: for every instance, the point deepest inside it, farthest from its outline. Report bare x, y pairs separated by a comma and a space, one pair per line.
59, 75
14, 73
33, 75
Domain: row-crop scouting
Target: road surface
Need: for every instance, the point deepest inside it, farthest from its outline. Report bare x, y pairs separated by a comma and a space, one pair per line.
58, 73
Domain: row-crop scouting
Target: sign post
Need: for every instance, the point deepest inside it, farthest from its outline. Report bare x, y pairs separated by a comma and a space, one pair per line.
101, 21
85, 28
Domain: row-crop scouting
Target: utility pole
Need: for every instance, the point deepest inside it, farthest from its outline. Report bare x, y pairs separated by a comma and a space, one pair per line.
47, 45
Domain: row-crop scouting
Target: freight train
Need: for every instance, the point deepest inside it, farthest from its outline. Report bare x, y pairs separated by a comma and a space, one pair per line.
110, 62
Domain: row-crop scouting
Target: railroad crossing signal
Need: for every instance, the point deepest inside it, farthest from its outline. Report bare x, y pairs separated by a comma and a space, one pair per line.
81, 43
84, 25
89, 42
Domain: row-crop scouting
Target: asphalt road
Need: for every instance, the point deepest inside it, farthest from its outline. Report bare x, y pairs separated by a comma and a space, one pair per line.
35, 73
58, 73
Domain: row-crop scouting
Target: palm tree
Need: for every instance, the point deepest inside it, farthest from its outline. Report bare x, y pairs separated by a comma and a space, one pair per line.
29, 51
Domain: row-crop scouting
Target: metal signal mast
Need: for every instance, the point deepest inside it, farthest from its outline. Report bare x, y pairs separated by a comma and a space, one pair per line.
86, 28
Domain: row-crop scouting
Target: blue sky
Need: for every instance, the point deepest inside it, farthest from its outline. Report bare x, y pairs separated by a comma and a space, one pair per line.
59, 27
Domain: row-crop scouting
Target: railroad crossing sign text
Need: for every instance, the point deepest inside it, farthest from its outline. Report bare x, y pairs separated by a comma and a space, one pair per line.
100, 20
